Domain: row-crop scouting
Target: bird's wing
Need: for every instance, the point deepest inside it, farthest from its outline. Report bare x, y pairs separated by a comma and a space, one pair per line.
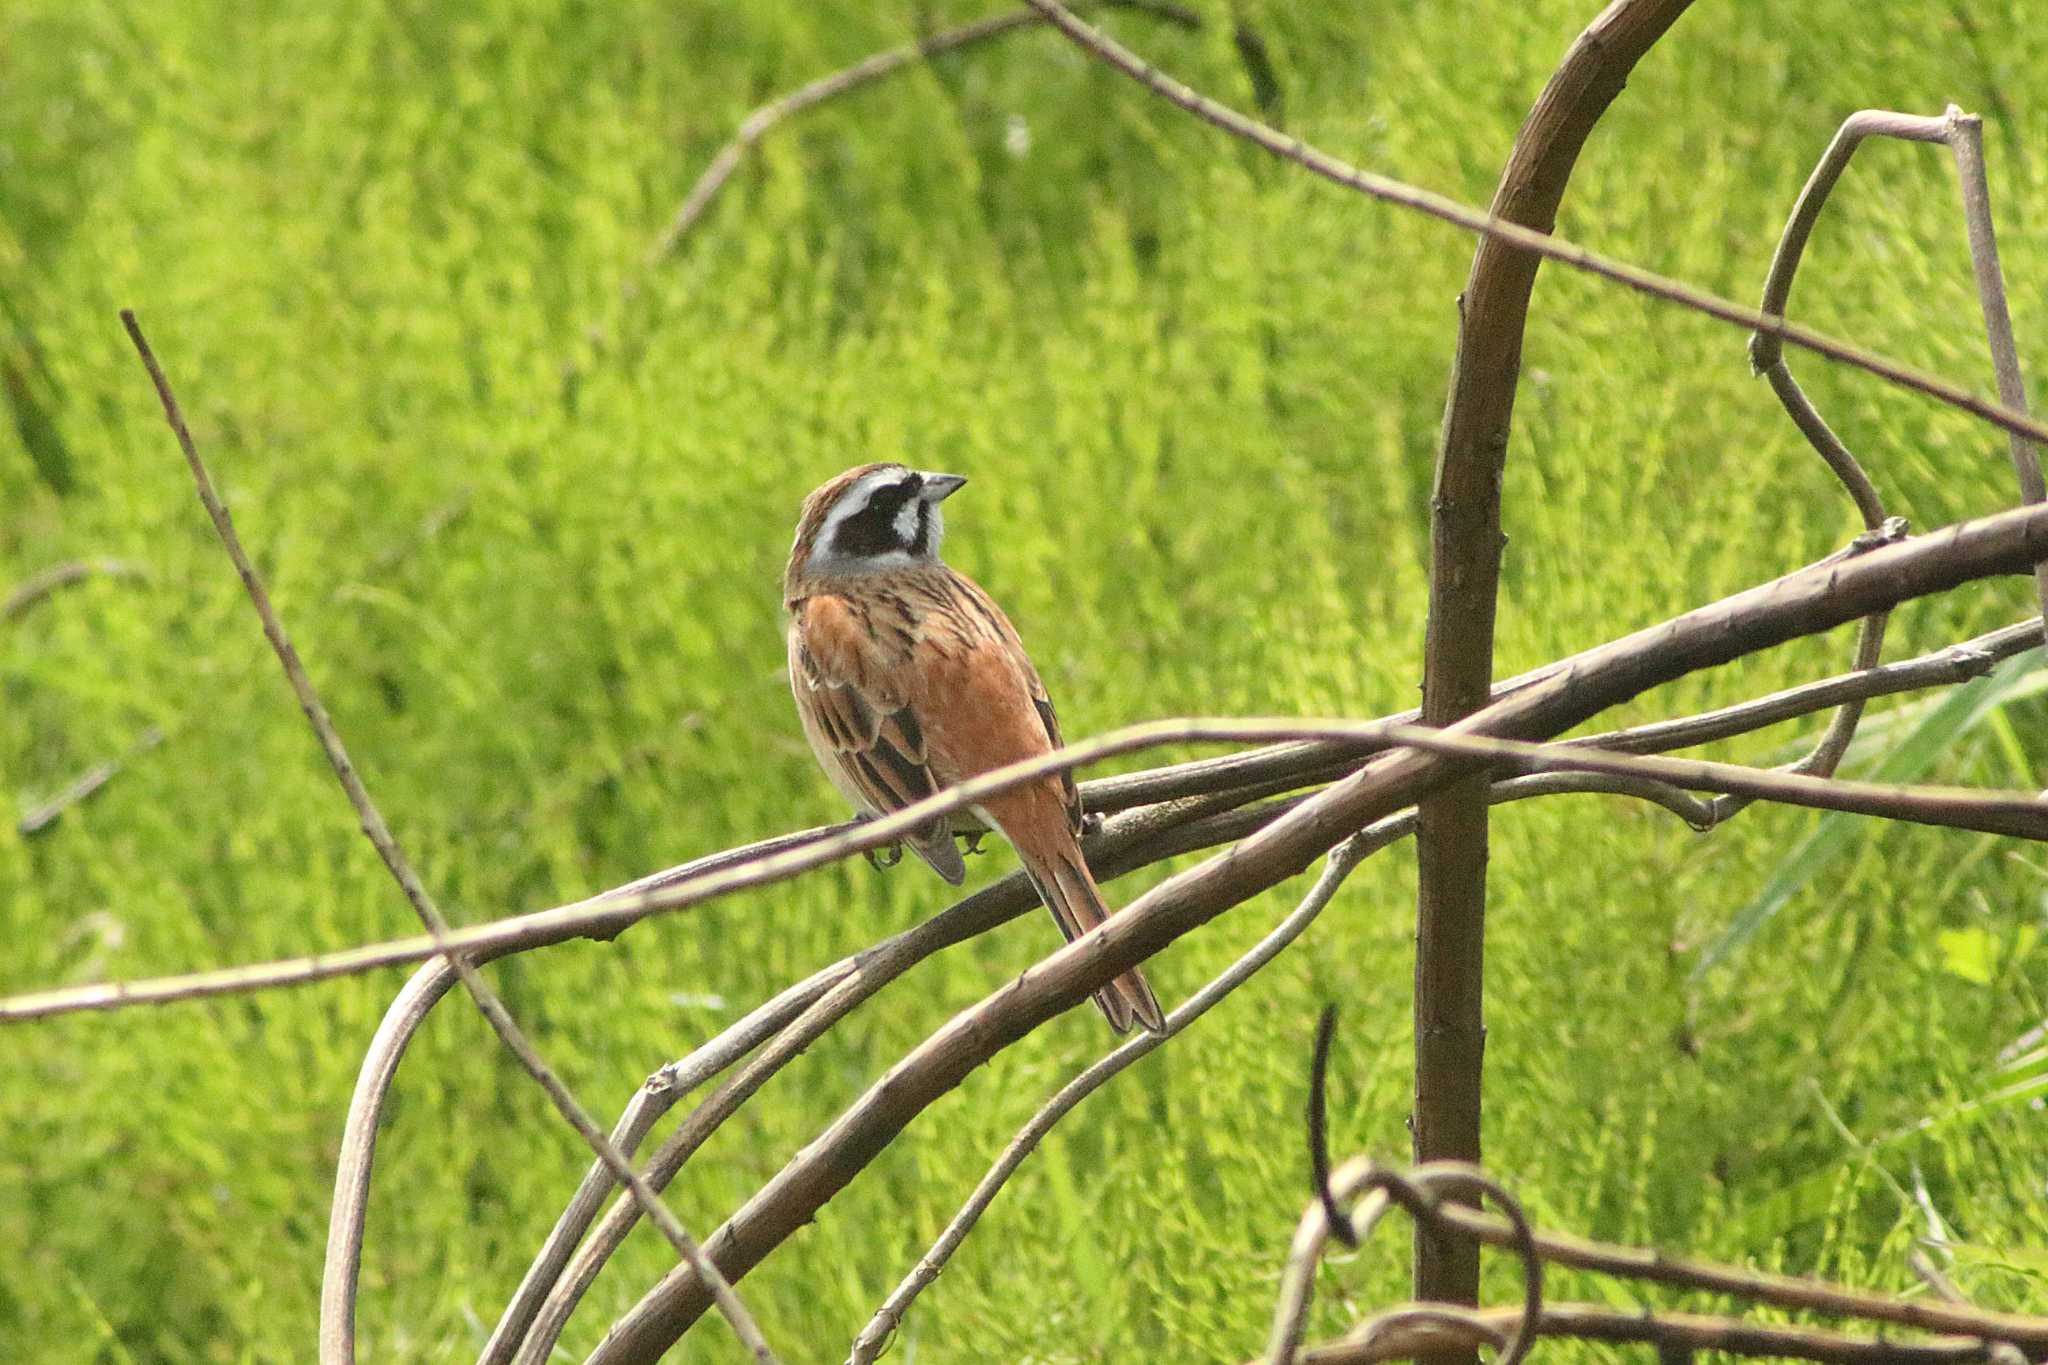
849, 678
998, 623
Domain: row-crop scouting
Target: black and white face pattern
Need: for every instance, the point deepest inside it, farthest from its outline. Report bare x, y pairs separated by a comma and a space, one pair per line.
888, 518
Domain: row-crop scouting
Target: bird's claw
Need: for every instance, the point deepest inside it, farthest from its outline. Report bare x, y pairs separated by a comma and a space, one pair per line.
970, 842
888, 855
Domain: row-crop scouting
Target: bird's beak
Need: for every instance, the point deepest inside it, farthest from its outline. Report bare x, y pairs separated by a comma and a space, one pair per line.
939, 487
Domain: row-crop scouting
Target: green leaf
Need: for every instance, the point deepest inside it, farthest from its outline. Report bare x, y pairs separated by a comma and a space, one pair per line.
1938, 729
1968, 953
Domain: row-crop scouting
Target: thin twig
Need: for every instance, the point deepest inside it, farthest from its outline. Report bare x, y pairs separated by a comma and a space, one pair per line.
1318, 1124
875, 970
875, 1335
1397, 1335
89, 782
1795, 605
1303, 762
86, 785
1965, 137
765, 118
1438, 206
40, 585
381, 838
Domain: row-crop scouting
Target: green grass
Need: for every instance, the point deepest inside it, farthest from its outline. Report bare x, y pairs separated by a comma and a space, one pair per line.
1198, 394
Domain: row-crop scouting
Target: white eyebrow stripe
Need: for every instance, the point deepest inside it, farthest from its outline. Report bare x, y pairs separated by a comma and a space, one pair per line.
854, 501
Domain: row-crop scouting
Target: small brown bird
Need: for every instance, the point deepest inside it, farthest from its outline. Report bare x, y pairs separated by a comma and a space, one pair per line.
909, 679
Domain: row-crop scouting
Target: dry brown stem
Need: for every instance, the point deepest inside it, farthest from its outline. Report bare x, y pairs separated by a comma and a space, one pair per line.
1800, 603
1389, 190
39, 586
339, 1349
1399, 1335
1414, 1330
1464, 586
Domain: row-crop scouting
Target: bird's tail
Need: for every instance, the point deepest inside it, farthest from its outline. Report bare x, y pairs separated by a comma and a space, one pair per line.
1069, 891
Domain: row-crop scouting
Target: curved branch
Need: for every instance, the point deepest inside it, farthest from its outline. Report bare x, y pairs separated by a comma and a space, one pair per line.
873, 1337
1464, 590
1389, 190
876, 969
1398, 1335
1801, 603
1421, 1193
1296, 764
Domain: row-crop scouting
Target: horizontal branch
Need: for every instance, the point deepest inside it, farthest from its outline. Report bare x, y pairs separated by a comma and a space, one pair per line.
1246, 776
1801, 603
2030, 1334
1401, 1334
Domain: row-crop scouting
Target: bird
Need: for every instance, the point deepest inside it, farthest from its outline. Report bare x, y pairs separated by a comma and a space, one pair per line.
910, 679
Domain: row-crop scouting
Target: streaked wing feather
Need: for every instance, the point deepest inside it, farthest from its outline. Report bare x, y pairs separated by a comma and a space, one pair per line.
877, 738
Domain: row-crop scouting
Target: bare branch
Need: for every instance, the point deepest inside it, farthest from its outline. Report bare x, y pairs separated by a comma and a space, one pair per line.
38, 586
864, 72
1423, 1193
1712, 635
1398, 1335
1449, 210
1134, 846
85, 786
2030, 1334
1464, 588
1965, 136
381, 838
875, 1335
868, 1345
767, 117
1290, 765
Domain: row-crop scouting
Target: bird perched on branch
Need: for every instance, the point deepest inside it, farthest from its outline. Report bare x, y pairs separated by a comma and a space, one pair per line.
909, 679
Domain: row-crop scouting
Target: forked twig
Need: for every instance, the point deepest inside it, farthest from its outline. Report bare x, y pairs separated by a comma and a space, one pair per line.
875, 1335
1299, 763
380, 837
1399, 1334
1963, 133
1389, 190
1422, 1194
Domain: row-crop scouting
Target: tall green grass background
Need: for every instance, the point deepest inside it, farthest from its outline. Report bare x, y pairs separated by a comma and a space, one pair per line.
1197, 393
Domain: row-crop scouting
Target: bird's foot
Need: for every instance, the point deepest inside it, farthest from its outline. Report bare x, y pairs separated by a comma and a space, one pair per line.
888, 855
970, 842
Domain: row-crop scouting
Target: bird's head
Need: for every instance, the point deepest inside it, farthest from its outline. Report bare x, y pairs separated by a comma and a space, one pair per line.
870, 518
